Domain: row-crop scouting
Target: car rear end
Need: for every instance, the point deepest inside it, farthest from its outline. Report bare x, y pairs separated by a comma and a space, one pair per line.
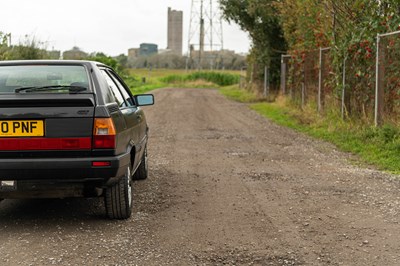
51, 144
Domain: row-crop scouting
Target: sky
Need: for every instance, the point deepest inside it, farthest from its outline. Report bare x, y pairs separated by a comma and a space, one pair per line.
111, 27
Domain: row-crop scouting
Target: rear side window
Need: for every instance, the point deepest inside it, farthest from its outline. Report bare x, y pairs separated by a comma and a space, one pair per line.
114, 89
33, 78
118, 90
125, 94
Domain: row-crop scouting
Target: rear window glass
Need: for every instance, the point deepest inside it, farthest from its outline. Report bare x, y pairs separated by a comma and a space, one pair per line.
43, 78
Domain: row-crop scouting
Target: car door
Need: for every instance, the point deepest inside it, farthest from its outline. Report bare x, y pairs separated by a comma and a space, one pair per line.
132, 115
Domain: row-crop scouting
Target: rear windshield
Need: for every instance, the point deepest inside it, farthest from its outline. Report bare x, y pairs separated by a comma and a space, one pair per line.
43, 79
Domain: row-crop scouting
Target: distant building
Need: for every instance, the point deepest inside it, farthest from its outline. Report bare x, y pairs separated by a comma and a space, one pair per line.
75, 54
164, 51
133, 53
175, 31
147, 49
222, 59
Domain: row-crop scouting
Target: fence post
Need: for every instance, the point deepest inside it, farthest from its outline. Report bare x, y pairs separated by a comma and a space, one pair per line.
283, 75
303, 95
320, 80
266, 81
303, 87
284, 72
343, 86
242, 79
321, 92
379, 86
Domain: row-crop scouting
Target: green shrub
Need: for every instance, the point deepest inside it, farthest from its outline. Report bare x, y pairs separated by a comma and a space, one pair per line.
389, 133
173, 79
218, 78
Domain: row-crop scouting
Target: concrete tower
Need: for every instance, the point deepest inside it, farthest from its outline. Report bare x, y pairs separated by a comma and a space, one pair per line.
175, 31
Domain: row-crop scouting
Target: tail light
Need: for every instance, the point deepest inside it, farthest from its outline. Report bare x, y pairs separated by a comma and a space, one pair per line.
103, 133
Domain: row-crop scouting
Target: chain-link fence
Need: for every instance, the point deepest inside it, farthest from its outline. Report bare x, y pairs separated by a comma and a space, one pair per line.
388, 79
307, 78
366, 86
359, 96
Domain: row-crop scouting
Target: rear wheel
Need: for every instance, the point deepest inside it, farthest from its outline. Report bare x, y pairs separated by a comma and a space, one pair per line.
118, 198
142, 171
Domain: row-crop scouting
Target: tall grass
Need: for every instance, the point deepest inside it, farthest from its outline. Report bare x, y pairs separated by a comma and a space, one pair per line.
239, 95
218, 78
143, 80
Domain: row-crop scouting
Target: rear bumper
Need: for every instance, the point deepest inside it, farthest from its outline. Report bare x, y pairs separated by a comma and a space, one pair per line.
64, 169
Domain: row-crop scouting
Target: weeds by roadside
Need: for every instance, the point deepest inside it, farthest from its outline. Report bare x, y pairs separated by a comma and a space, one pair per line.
218, 78
239, 95
144, 80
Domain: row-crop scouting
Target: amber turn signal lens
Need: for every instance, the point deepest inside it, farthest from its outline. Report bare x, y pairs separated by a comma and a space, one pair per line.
103, 126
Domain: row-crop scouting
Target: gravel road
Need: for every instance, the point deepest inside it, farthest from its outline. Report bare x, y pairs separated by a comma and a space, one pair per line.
226, 187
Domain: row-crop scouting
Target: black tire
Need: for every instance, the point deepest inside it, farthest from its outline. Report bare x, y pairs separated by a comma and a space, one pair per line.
143, 171
118, 198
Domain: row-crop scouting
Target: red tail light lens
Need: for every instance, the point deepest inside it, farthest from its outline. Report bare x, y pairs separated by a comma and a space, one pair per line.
104, 142
103, 133
101, 164
44, 144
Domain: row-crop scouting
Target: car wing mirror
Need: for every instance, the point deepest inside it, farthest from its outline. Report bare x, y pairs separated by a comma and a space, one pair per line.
144, 99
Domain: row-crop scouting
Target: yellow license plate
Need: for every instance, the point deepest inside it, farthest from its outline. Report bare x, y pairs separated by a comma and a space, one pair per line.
21, 128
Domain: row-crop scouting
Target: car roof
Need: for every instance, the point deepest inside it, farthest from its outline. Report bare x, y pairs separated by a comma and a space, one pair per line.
51, 62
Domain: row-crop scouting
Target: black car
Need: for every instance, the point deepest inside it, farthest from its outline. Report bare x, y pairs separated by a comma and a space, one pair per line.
70, 129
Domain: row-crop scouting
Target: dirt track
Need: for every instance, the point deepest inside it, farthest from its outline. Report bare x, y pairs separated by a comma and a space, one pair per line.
226, 187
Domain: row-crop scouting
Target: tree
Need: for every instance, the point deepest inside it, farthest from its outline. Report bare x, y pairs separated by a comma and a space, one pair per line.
122, 59
261, 20
4, 46
107, 60
29, 48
